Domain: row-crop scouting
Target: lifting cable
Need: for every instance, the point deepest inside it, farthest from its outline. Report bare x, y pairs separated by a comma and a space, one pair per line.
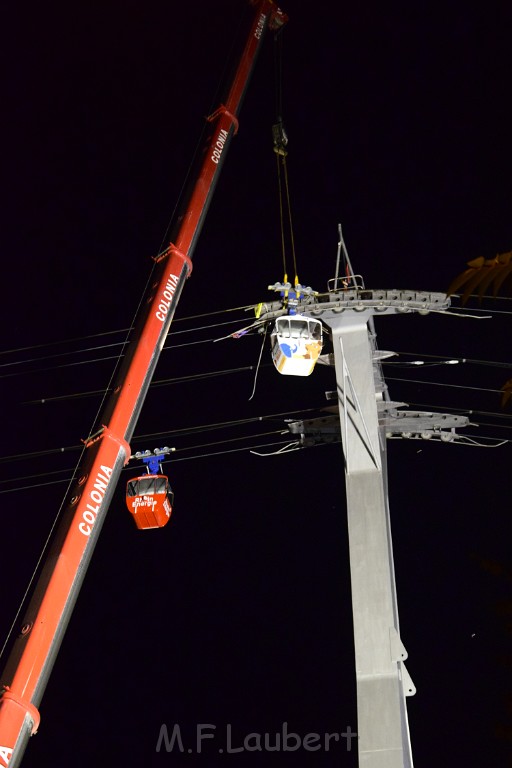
280, 140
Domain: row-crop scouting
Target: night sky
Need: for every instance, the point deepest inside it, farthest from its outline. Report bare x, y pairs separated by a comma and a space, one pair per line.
239, 611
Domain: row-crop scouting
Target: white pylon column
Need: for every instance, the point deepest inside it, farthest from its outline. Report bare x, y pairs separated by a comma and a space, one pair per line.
382, 680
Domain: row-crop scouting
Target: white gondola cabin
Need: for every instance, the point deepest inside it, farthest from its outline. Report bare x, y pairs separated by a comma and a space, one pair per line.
296, 343
149, 498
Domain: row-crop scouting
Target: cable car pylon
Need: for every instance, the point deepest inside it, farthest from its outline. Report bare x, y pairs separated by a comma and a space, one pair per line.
367, 416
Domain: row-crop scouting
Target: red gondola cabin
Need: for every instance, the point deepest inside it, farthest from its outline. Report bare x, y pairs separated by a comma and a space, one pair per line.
149, 498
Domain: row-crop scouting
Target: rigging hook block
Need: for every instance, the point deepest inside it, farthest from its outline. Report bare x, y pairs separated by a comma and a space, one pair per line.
280, 139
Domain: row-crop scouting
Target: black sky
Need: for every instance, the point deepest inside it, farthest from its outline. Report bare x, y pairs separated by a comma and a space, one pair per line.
239, 611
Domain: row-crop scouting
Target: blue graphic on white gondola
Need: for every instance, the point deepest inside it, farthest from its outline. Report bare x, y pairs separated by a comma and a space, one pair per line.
288, 350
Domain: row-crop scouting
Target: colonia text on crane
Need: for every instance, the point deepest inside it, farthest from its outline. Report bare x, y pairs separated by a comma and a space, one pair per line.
167, 295
96, 496
219, 146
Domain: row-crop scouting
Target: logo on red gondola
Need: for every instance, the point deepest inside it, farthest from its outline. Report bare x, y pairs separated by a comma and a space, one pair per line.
144, 501
95, 498
167, 295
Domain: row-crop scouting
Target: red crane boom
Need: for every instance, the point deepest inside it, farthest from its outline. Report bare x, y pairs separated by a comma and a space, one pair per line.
36, 647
